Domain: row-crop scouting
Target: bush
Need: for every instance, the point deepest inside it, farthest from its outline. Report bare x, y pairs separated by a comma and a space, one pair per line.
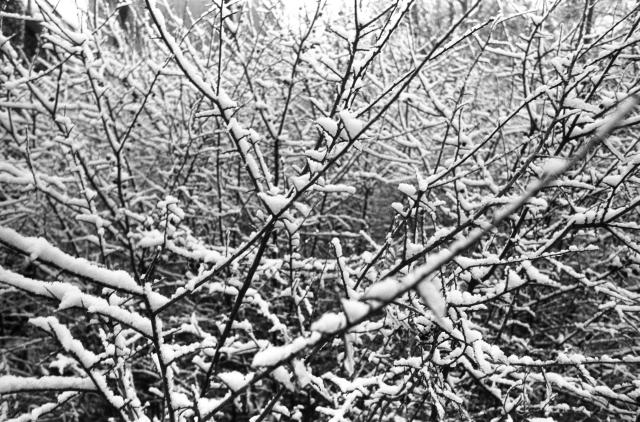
409, 210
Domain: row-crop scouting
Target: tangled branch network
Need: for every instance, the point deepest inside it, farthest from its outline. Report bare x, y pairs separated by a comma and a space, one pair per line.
406, 210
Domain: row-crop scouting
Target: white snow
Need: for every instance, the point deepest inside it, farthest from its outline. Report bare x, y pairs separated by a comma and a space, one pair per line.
316, 155
554, 166
383, 290
299, 182
414, 249
71, 296
237, 131
329, 323
536, 276
609, 122
174, 47
156, 300
432, 297
337, 188
397, 206
354, 309
39, 248
275, 203
66, 340
206, 405
224, 101
407, 189
612, 180
283, 377
13, 384
235, 380
328, 125
36, 412
351, 123
275, 354
302, 373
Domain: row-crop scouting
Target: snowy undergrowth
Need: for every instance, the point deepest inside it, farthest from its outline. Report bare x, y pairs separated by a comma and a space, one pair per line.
401, 212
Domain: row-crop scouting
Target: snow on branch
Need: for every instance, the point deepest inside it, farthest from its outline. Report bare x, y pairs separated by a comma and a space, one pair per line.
37, 248
10, 384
